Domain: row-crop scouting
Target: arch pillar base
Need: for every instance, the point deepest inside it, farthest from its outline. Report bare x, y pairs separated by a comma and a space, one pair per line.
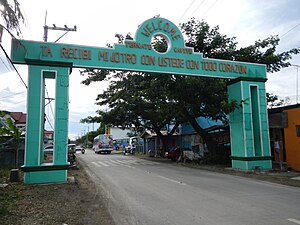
249, 129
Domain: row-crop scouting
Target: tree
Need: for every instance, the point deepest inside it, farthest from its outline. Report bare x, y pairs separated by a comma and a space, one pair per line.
139, 101
273, 100
215, 45
192, 97
209, 96
12, 15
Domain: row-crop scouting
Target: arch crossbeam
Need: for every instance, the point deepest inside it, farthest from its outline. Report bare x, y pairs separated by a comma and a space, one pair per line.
248, 126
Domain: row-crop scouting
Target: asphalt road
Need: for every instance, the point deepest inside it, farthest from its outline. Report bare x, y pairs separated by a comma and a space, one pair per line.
146, 193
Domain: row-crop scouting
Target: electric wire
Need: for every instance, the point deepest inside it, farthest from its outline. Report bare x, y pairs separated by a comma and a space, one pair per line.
8, 69
197, 8
210, 7
186, 10
6, 55
12, 95
289, 30
8, 31
49, 122
49, 103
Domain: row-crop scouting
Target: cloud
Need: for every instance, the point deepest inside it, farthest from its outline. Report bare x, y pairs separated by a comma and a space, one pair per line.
97, 23
12, 100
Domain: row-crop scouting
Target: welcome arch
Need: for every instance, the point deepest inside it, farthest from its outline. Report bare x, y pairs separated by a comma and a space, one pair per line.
249, 132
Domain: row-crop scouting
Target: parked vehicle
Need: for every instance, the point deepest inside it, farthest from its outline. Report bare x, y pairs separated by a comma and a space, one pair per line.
121, 143
103, 143
133, 144
71, 154
48, 149
80, 148
173, 154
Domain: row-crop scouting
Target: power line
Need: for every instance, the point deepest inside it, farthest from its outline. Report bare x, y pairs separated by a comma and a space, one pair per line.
210, 8
186, 10
49, 122
4, 64
12, 95
49, 99
6, 55
8, 32
197, 7
289, 30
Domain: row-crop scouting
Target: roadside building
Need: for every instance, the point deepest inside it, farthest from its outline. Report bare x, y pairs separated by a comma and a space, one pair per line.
19, 119
187, 139
153, 143
284, 124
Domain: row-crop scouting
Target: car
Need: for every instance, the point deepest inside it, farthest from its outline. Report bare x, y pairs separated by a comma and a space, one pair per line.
48, 149
173, 154
80, 148
71, 148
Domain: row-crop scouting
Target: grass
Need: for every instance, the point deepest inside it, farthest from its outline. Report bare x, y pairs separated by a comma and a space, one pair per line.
4, 173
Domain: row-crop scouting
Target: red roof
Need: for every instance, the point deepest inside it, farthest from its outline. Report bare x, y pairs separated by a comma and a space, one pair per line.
19, 117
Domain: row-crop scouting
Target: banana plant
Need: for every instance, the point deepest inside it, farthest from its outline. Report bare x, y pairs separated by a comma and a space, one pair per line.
12, 131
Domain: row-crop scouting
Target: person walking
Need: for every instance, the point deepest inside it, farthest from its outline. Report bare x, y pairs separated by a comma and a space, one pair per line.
277, 152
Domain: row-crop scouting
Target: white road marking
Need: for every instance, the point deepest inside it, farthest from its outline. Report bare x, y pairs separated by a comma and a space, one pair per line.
111, 163
294, 220
96, 164
127, 163
103, 164
124, 163
115, 162
169, 179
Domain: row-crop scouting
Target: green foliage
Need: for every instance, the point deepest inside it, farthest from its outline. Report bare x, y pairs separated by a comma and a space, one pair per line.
11, 14
137, 100
150, 101
212, 44
12, 131
273, 100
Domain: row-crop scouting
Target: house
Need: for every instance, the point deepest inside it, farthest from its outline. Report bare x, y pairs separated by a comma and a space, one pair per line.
188, 139
48, 136
19, 119
284, 125
218, 132
153, 143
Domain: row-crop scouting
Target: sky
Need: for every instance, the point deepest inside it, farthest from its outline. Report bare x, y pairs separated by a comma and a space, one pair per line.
97, 23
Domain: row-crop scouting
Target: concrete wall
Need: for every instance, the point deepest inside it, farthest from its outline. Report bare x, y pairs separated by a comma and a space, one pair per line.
292, 141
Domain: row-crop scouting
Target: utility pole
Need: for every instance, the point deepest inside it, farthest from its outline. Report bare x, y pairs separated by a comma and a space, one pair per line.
297, 87
87, 137
54, 27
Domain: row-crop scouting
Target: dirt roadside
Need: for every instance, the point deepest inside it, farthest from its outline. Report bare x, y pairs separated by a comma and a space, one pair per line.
72, 203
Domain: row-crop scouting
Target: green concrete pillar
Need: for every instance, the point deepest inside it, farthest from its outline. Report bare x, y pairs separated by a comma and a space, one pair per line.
249, 130
35, 170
